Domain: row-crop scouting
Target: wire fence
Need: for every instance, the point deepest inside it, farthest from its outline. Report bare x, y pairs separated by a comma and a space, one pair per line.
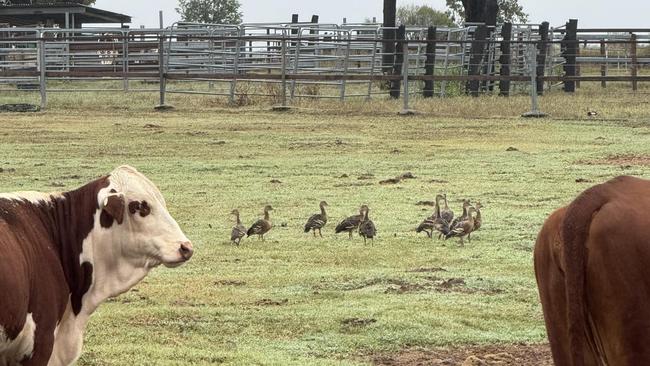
311, 60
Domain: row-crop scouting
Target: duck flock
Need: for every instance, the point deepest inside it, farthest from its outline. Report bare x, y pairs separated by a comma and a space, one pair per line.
442, 220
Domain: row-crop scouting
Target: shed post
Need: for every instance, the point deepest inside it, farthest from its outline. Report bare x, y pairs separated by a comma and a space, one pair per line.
476, 58
505, 59
430, 64
390, 15
569, 52
542, 47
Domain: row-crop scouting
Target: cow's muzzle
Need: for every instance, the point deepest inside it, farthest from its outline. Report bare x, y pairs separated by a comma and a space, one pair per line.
186, 250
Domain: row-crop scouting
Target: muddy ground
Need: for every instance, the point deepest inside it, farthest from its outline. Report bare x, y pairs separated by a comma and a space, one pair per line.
502, 355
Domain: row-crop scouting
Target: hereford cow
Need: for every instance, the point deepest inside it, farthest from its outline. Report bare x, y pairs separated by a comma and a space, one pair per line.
592, 262
63, 254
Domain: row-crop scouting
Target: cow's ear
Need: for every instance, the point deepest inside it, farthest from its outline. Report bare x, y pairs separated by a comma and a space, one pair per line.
114, 206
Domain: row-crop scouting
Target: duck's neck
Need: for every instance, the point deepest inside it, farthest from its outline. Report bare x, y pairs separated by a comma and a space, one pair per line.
437, 209
266, 215
478, 214
322, 211
238, 220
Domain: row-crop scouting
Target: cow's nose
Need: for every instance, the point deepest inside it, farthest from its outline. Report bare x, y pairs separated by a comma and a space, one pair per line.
186, 250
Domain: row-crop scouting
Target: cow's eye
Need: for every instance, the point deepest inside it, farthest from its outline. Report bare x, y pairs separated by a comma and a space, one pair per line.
144, 209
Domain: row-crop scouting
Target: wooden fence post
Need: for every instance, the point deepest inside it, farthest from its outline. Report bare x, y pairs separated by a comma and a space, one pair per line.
475, 59
635, 61
603, 67
314, 20
388, 47
294, 31
430, 63
570, 51
399, 62
541, 56
505, 59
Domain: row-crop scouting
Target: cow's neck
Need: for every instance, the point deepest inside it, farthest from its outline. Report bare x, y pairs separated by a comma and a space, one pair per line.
73, 215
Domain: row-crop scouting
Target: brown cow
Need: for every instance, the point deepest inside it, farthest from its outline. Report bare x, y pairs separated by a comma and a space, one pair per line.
63, 254
592, 263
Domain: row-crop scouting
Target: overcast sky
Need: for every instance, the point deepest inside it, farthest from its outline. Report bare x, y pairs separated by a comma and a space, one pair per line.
590, 13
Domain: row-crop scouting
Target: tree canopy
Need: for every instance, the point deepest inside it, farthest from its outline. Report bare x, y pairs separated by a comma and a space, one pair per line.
210, 11
509, 11
422, 15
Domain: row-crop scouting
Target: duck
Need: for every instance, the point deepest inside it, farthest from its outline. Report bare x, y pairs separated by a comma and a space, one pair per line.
477, 220
462, 227
446, 213
433, 223
367, 228
239, 230
317, 221
466, 204
350, 224
261, 226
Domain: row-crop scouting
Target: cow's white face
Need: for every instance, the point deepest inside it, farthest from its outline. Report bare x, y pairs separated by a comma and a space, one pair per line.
135, 211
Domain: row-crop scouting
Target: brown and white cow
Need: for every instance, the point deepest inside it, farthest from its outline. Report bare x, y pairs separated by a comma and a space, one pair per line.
592, 263
63, 254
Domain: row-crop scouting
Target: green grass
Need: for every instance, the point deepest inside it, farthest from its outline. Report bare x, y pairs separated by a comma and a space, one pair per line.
208, 159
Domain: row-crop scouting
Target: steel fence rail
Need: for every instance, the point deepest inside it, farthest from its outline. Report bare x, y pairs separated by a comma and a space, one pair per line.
312, 60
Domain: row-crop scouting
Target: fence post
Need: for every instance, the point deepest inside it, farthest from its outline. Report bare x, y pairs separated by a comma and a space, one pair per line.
405, 80
399, 62
42, 66
373, 60
476, 57
603, 67
284, 72
388, 48
294, 31
346, 65
541, 56
505, 59
235, 68
430, 64
125, 61
570, 52
532, 58
296, 62
635, 61
161, 67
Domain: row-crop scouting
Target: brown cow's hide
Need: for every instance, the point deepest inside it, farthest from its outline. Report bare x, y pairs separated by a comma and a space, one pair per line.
592, 263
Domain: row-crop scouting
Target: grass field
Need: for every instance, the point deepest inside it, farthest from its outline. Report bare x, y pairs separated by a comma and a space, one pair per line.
296, 300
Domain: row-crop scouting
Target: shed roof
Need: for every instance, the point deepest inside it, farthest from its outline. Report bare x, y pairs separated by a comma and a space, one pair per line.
28, 14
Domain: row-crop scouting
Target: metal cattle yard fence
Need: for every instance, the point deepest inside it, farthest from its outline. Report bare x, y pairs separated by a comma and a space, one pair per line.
315, 60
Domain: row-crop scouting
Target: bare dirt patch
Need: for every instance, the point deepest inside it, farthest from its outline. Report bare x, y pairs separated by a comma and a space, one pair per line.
358, 322
229, 283
427, 270
270, 302
623, 160
422, 284
502, 355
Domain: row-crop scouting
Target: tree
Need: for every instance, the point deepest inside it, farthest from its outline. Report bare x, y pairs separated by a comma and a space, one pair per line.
422, 15
210, 11
509, 11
